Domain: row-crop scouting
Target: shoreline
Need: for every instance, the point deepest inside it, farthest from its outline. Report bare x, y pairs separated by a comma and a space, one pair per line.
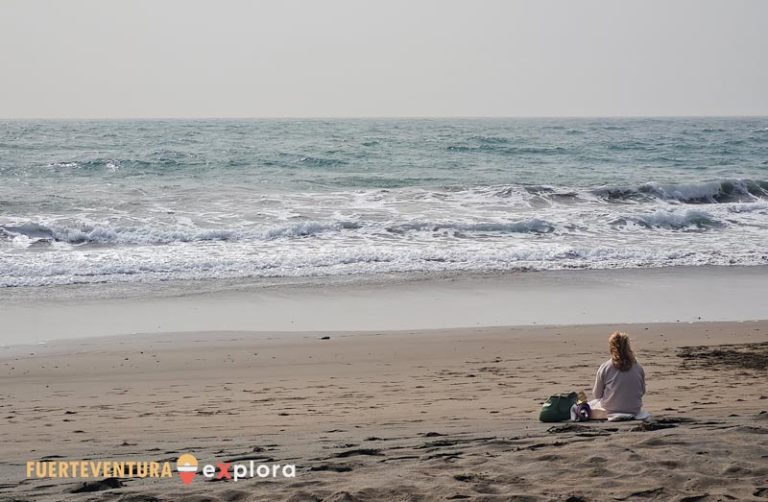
579, 297
197, 287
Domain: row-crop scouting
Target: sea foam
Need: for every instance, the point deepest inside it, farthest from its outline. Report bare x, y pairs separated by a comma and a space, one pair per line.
144, 201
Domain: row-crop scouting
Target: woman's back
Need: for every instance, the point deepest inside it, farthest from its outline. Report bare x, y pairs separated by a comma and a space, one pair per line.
620, 391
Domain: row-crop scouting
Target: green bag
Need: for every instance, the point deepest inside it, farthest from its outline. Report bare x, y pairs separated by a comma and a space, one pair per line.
558, 407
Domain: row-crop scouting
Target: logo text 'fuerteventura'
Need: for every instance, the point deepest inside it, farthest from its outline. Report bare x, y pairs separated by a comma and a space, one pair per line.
187, 468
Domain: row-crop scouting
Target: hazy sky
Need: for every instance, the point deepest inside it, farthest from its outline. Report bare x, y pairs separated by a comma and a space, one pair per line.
283, 58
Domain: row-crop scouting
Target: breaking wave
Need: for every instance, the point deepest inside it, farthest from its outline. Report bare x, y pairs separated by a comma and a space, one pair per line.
78, 234
162, 200
698, 220
708, 192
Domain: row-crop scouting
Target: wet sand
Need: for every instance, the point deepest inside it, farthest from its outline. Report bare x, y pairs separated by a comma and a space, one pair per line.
566, 297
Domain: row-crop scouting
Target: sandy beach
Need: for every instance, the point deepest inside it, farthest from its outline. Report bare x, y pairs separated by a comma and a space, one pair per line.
391, 415
346, 251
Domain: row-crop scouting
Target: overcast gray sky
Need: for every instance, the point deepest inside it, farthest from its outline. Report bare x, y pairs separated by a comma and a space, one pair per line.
343, 58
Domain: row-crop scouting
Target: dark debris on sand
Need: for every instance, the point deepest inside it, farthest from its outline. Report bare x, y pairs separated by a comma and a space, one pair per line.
99, 485
592, 430
331, 467
653, 426
568, 427
752, 356
359, 451
471, 477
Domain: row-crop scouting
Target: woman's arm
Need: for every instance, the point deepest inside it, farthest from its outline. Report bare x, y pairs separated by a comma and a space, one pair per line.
597, 390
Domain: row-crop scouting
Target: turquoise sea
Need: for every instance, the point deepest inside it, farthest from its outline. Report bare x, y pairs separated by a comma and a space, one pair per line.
152, 201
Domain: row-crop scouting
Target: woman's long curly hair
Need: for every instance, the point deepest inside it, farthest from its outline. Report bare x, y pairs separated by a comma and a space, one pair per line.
622, 356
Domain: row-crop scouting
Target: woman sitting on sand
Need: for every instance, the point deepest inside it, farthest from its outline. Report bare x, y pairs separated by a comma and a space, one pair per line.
620, 382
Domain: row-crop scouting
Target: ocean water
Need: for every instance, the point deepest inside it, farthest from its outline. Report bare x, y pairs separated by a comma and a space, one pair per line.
154, 201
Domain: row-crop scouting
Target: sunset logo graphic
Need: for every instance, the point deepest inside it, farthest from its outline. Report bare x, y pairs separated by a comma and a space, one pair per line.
187, 467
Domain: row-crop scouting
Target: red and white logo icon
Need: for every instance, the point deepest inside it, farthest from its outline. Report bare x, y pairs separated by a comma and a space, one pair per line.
187, 467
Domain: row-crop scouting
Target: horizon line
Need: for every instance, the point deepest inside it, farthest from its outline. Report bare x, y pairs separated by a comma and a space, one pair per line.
384, 117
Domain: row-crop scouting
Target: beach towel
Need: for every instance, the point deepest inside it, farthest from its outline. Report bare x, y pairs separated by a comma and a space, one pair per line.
599, 413
618, 417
